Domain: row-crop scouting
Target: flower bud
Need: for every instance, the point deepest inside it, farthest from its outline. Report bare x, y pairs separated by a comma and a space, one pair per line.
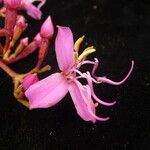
21, 23
24, 41
29, 80
47, 29
38, 39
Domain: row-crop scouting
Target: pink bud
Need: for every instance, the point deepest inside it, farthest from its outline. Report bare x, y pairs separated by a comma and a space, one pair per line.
24, 41
13, 3
47, 29
21, 23
29, 80
21, 20
38, 39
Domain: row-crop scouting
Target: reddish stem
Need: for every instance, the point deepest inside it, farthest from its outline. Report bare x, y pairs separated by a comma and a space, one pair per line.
9, 71
42, 52
27, 51
4, 32
10, 19
10, 22
1, 49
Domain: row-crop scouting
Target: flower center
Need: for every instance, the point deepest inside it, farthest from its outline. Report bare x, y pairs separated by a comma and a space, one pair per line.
70, 76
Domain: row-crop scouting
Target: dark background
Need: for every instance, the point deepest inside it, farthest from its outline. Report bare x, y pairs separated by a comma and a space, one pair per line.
120, 31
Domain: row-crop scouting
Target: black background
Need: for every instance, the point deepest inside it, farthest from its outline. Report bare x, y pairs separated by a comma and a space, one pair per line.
120, 31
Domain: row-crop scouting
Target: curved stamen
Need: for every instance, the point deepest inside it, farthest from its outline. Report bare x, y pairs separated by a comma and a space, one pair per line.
79, 72
88, 77
96, 64
41, 4
83, 76
102, 102
85, 62
96, 117
106, 80
89, 108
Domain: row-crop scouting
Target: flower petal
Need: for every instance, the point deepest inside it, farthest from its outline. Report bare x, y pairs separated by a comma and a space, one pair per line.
29, 2
33, 11
79, 102
47, 92
64, 48
81, 96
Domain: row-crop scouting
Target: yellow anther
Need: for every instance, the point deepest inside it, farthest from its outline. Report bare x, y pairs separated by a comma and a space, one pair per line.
89, 48
78, 43
86, 52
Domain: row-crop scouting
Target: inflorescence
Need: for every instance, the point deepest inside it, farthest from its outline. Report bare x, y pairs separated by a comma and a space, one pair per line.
28, 89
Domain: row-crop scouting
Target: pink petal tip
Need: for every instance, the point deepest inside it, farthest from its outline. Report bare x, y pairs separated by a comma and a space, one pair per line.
24, 41
47, 29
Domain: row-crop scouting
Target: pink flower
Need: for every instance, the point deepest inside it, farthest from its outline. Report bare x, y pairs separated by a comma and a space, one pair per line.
51, 90
32, 10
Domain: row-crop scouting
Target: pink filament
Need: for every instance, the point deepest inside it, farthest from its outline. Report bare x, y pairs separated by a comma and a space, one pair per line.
88, 77
105, 80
